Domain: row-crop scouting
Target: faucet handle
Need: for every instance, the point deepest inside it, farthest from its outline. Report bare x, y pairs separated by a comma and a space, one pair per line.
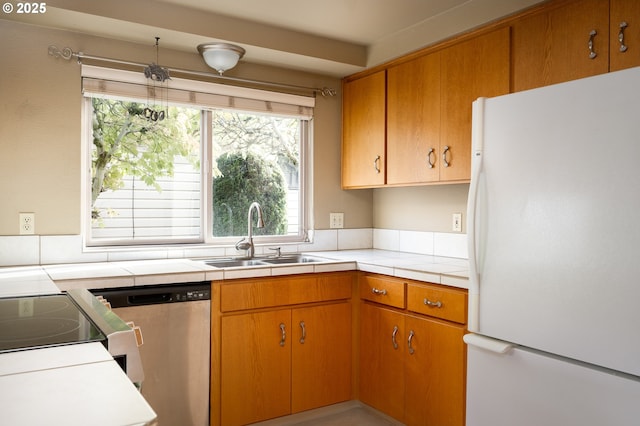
243, 244
277, 250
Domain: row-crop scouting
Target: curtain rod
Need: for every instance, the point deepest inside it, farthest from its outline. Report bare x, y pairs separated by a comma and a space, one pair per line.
67, 53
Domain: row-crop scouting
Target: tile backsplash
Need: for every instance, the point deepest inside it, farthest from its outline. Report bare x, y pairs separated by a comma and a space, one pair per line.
421, 242
52, 249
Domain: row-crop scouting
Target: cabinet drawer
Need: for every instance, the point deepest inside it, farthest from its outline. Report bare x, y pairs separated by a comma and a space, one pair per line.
237, 295
437, 301
382, 290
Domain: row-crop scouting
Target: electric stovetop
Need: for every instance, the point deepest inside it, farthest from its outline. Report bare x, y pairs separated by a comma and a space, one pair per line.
41, 321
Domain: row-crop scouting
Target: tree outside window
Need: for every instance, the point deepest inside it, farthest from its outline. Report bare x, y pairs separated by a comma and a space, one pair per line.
146, 182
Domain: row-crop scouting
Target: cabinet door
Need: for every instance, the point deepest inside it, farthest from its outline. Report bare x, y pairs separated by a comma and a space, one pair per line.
470, 69
627, 11
435, 373
256, 367
381, 359
413, 121
321, 356
363, 131
553, 46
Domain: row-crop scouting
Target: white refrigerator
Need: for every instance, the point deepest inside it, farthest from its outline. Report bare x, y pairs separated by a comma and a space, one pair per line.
554, 247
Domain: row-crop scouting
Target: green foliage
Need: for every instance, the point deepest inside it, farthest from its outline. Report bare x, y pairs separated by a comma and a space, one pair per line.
271, 137
243, 180
249, 151
125, 143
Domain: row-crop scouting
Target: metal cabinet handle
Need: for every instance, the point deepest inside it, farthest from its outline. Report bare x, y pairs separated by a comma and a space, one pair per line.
411, 334
623, 47
393, 337
304, 332
376, 164
429, 155
444, 156
284, 334
437, 304
382, 292
592, 53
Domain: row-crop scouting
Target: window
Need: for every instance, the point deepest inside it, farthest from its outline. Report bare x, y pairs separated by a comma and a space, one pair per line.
256, 158
183, 164
145, 174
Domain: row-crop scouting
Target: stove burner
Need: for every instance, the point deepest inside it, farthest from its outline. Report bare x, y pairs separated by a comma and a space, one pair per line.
35, 322
33, 328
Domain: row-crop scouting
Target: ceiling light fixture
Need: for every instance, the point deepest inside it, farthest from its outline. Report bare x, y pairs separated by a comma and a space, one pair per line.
221, 56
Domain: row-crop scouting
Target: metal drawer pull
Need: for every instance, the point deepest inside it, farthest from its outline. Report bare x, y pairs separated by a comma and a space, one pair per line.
376, 164
382, 292
393, 337
411, 334
623, 47
284, 334
428, 302
444, 156
592, 53
429, 154
304, 332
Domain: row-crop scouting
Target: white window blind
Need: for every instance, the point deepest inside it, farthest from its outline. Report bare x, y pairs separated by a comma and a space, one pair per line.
111, 83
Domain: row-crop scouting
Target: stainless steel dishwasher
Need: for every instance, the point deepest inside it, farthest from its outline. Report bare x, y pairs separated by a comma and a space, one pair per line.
175, 324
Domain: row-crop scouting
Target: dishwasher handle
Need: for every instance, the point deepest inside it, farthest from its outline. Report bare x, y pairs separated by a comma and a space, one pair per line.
123, 297
148, 299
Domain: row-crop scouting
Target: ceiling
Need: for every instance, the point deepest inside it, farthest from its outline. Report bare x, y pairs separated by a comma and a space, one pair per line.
332, 37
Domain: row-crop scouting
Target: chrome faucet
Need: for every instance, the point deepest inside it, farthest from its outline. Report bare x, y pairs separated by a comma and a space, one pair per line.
247, 243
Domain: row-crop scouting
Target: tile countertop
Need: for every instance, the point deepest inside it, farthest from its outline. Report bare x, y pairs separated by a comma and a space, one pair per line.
71, 385
25, 281
85, 375
53, 278
434, 269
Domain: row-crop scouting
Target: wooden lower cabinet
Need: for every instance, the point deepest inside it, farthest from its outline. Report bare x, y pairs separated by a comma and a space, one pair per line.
256, 369
412, 366
321, 356
382, 359
434, 373
279, 360
398, 348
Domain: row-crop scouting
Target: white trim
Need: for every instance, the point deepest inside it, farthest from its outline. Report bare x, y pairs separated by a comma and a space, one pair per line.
208, 92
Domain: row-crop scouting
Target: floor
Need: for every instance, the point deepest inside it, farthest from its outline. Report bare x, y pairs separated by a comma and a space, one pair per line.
352, 413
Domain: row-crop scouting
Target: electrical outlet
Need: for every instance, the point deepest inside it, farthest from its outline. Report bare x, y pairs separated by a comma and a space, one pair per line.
25, 307
456, 225
27, 223
336, 220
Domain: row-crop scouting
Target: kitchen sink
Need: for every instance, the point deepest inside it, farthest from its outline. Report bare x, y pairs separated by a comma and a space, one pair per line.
298, 258
232, 263
262, 261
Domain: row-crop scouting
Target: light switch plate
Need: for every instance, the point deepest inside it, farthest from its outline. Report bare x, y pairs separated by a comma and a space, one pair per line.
456, 225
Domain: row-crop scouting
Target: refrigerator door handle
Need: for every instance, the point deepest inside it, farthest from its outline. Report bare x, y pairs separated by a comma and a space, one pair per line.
476, 167
486, 343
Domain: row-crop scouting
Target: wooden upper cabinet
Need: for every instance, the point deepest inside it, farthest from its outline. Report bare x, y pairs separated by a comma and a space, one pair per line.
552, 46
624, 39
413, 121
470, 69
364, 131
